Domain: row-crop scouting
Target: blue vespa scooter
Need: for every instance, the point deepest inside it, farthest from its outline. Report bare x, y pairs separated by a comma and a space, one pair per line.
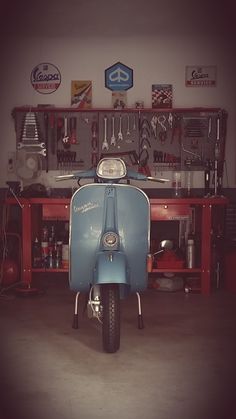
109, 243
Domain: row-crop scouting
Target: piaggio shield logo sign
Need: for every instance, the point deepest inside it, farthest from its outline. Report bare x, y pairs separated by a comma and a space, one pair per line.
119, 77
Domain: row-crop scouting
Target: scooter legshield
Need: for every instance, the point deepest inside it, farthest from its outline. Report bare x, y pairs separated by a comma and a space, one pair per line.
88, 222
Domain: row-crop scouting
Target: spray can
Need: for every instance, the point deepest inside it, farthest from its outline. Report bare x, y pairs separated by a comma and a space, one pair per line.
190, 253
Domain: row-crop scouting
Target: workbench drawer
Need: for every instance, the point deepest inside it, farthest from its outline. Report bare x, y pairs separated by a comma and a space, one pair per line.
56, 212
170, 212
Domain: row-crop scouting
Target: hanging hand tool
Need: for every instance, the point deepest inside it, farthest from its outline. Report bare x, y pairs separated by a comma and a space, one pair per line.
134, 123
105, 145
177, 130
162, 137
120, 135
158, 156
128, 139
43, 152
145, 135
209, 128
154, 121
52, 132
94, 143
30, 129
217, 174
161, 121
113, 138
144, 154
66, 138
170, 120
46, 120
37, 145
143, 160
207, 177
73, 125
59, 125
191, 152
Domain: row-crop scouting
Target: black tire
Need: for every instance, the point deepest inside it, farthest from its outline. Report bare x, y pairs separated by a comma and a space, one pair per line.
110, 317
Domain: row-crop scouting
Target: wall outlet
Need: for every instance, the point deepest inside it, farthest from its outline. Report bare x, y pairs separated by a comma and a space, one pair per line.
11, 160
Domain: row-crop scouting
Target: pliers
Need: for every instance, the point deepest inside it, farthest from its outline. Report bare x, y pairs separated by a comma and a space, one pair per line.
143, 159
145, 135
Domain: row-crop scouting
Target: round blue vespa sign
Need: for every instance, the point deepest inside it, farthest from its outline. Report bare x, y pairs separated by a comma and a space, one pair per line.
119, 77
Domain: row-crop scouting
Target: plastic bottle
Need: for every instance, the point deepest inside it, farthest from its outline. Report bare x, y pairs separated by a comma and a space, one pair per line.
176, 184
45, 233
36, 254
44, 247
190, 253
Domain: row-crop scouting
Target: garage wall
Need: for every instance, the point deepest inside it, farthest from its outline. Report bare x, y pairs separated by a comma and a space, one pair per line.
82, 41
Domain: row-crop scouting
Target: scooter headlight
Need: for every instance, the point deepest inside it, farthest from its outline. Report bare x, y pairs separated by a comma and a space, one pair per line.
111, 168
110, 239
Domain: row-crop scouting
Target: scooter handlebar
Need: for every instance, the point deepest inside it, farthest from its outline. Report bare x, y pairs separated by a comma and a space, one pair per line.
64, 177
160, 180
89, 174
140, 176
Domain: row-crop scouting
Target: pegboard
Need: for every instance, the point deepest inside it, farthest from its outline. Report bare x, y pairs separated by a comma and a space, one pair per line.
168, 139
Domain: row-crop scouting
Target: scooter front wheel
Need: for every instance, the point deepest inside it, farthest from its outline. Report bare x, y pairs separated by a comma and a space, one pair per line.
110, 317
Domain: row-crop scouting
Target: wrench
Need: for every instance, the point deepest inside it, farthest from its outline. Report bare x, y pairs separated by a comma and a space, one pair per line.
22, 145
43, 152
128, 139
120, 135
105, 145
66, 138
113, 138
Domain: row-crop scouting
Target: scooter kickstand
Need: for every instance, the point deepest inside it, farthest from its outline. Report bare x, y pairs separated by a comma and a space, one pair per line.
140, 317
75, 324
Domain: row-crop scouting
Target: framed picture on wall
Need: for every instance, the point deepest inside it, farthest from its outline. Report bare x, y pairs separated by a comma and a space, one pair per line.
162, 96
200, 76
81, 94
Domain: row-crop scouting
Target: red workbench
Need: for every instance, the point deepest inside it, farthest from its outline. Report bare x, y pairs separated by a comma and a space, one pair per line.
208, 210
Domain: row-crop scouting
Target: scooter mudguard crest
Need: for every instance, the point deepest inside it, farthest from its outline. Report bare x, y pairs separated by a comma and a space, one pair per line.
111, 267
89, 219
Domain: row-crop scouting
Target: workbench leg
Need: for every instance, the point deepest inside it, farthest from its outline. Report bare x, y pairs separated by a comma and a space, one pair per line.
26, 245
206, 249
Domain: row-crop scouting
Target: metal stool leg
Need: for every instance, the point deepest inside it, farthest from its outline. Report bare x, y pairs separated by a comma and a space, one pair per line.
140, 317
75, 324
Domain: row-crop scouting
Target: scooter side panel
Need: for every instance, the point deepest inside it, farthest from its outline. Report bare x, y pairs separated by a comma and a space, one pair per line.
86, 219
133, 209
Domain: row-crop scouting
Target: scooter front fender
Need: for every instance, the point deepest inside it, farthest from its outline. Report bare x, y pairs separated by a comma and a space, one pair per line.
111, 267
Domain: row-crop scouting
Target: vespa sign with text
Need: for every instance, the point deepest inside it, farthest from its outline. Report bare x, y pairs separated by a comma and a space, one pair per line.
200, 76
118, 77
45, 78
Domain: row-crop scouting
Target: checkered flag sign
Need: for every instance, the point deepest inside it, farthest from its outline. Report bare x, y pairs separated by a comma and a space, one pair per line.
162, 96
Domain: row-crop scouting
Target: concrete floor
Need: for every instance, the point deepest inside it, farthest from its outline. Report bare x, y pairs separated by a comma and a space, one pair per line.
182, 365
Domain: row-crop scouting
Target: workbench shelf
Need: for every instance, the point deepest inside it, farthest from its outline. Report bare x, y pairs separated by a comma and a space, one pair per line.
181, 270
